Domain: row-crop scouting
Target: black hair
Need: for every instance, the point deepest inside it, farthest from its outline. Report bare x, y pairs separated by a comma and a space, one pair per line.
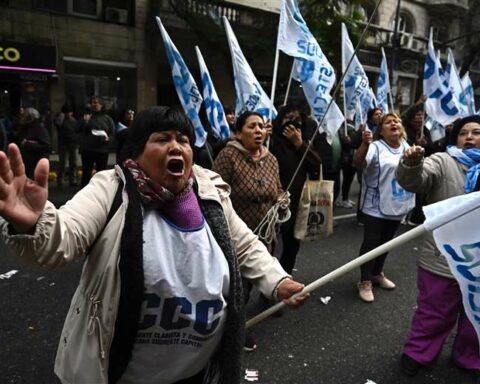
66, 108
151, 120
228, 110
242, 119
371, 112
458, 125
284, 111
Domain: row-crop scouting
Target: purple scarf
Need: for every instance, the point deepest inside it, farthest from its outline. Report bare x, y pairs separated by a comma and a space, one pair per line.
182, 210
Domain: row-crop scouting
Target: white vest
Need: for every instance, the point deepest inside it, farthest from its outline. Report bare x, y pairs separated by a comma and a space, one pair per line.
383, 196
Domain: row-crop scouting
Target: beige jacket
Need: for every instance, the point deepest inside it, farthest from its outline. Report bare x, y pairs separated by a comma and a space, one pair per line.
64, 234
438, 177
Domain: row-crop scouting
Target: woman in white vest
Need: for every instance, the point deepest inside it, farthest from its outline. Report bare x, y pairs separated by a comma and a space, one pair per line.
383, 202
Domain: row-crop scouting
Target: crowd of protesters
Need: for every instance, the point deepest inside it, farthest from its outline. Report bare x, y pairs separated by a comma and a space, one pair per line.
399, 169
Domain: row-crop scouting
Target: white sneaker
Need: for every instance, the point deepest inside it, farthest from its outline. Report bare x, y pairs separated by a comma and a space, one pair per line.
347, 204
365, 291
339, 203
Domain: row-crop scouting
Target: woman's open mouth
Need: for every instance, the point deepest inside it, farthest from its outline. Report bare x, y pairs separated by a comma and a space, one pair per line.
176, 167
468, 145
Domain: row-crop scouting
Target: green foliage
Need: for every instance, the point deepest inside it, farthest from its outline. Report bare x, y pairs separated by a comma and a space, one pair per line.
324, 19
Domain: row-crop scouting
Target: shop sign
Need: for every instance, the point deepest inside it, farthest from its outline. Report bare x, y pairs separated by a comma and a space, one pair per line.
27, 57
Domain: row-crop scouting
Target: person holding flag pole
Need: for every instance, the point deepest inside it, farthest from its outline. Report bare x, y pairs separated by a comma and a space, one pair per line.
311, 67
439, 301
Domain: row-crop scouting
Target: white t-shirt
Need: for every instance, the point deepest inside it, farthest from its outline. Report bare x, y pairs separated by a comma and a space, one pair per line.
382, 196
184, 309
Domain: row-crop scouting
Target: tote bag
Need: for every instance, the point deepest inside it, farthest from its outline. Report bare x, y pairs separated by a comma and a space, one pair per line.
315, 210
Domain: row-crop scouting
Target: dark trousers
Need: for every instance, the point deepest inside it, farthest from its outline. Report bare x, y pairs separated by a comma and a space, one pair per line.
349, 172
91, 159
67, 151
376, 232
290, 247
416, 214
335, 177
197, 379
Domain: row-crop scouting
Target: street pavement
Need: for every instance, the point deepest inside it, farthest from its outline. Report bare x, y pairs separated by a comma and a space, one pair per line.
343, 342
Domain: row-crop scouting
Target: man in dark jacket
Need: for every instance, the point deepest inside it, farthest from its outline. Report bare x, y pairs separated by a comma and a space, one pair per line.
96, 130
33, 139
67, 145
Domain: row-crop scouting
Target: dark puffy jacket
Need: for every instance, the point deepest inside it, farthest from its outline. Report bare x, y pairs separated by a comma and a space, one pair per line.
96, 143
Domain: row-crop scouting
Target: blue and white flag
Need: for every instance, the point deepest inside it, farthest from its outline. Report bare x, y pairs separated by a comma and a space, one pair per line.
214, 109
250, 95
185, 85
440, 105
454, 223
312, 68
356, 81
383, 87
455, 85
437, 130
468, 95
365, 103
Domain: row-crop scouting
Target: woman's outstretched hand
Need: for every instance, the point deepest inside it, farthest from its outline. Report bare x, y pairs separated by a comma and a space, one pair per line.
22, 200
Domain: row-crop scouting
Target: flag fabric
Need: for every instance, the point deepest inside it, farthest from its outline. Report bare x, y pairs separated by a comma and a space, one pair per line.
468, 96
458, 239
213, 108
312, 68
437, 130
250, 96
440, 105
356, 80
455, 85
383, 87
365, 102
185, 86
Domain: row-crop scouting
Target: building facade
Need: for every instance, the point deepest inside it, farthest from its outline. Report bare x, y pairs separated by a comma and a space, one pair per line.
53, 52
414, 22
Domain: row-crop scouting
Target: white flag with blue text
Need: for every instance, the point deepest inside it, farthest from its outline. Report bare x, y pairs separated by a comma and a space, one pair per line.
250, 95
383, 87
454, 83
468, 94
185, 86
312, 68
455, 230
356, 81
440, 104
365, 103
213, 108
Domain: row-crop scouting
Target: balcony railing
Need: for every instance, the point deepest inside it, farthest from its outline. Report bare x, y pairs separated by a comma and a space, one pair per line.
381, 37
206, 8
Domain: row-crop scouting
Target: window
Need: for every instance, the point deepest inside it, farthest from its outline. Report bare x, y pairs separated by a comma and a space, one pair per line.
85, 7
52, 5
89, 8
405, 23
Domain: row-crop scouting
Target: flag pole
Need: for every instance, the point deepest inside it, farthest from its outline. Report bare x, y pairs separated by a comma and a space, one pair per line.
287, 93
391, 101
350, 266
428, 226
423, 120
343, 86
272, 94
